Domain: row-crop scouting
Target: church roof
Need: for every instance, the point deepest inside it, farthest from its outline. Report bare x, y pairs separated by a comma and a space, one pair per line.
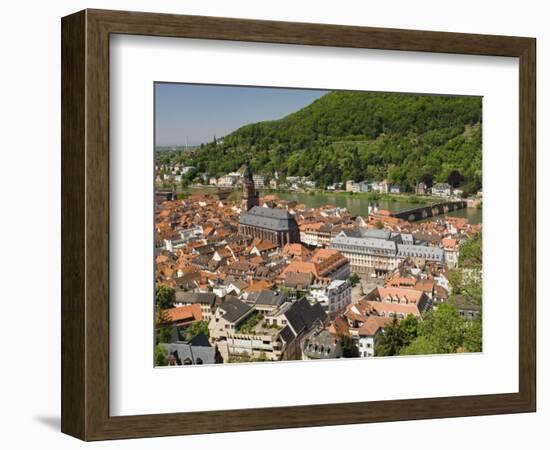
275, 219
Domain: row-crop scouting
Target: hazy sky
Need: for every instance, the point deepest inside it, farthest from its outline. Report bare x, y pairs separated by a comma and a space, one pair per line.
192, 114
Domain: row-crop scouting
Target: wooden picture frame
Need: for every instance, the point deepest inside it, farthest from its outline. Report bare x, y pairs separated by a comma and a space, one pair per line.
85, 224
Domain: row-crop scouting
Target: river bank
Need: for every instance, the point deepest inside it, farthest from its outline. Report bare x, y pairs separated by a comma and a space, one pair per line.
356, 203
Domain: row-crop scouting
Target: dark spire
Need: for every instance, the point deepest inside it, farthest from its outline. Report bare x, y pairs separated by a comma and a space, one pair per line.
247, 174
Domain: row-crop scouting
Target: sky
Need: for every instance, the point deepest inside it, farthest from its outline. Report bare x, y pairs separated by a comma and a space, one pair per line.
190, 114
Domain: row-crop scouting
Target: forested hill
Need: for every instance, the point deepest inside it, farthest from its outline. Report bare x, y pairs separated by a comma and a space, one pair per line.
353, 135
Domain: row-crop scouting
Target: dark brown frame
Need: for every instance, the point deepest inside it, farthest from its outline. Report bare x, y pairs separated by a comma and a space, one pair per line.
85, 224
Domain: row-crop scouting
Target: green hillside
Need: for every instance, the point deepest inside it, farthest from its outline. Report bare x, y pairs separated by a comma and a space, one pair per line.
353, 135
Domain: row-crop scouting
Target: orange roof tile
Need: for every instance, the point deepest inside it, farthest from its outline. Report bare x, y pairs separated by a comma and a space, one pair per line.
258, 286
387, 309
184, 313
373, 323
404, 295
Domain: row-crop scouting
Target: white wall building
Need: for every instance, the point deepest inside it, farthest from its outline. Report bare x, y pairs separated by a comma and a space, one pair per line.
442, 190
259, 181
334, 297
227, 180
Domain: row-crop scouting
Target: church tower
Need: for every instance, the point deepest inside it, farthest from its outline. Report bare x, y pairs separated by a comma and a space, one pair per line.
251, 197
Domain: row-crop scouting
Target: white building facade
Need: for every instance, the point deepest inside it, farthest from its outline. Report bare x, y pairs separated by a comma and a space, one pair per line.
334, 297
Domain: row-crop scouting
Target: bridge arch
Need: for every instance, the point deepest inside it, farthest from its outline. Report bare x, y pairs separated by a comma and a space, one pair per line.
433, 210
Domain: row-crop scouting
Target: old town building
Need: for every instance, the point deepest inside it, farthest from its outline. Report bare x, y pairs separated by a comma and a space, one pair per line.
272, 224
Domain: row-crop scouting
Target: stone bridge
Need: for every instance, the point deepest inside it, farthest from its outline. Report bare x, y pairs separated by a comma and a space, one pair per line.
423, 212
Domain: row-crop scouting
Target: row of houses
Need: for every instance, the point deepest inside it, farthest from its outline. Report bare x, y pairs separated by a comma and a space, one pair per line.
382, 187
443, 190
270, 279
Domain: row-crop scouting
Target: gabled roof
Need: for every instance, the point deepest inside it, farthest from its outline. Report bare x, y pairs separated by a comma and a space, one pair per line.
295, 250
388, 309
189, 313
462, 302
239, 284
322, 345
287, 335
402, 295
234, 309
270, 218
366, 243
301, 315
264, 245
339, 326
194, 354
298, 280
205, 298
373, 323
423, 251
257, 287
268, 298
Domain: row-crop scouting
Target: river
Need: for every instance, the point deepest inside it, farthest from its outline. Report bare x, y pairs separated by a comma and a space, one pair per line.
358, 206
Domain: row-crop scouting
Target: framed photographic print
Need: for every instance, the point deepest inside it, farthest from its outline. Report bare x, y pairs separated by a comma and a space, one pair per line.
295, 224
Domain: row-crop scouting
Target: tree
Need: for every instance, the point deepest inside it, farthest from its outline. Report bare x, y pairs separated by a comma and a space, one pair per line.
163, 327
262, 357
347, 135
455, 178
195, 329
467, 281
161, 356
408, 328
428, 179
164, 297
423, 345
349, 348
391, 340
473, 336
378, 225
471, 252
445, 328
397, 335
354, 279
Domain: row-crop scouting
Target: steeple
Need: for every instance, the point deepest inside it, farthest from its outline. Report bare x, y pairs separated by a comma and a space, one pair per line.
251, 197
247, 173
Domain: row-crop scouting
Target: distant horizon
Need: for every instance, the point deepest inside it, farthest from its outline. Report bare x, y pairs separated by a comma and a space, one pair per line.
188, 115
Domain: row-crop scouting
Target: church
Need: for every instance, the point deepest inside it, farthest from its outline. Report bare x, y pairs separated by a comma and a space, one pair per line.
273, 224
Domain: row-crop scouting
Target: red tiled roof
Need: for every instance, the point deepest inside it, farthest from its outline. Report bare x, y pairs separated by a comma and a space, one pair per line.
373, 323
189, 313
